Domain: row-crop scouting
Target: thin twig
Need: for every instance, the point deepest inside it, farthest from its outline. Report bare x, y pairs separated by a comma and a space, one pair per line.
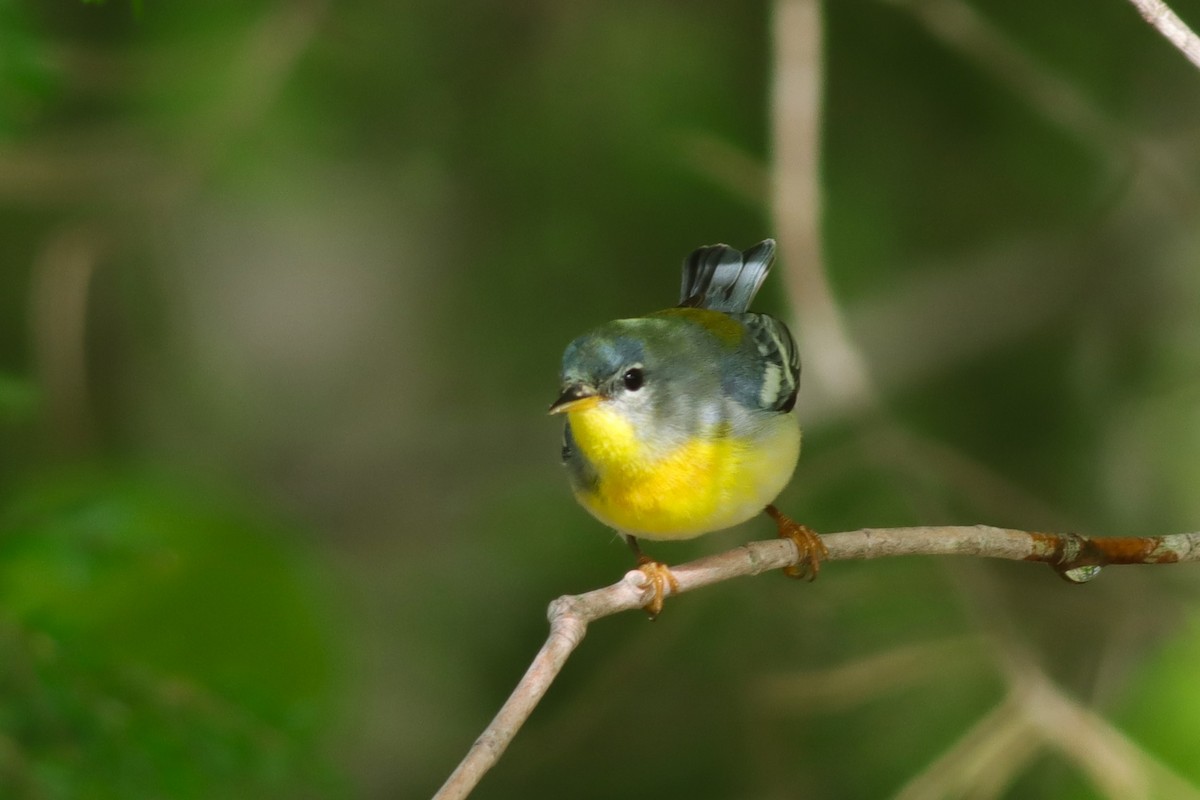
1173, 29
571, 614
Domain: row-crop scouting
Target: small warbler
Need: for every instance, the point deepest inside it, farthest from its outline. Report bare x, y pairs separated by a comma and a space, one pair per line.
683, 422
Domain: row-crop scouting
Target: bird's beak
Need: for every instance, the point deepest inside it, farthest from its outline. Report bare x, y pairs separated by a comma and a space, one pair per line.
575, 397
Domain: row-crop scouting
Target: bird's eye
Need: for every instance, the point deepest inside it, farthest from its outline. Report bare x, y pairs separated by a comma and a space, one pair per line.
633, 378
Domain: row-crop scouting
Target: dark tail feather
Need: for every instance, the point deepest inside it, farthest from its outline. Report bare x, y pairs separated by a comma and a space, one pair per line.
724, 279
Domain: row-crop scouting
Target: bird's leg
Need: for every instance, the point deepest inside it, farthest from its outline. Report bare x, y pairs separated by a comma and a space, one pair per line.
658, 576
811, 548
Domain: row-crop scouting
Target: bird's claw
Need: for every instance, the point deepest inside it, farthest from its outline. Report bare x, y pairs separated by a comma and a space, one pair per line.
659, 580
811, 548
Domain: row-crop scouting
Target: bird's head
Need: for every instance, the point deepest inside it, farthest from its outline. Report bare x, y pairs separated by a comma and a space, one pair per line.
610, 366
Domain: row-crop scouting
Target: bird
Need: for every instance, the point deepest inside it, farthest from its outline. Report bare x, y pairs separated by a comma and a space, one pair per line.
683, 421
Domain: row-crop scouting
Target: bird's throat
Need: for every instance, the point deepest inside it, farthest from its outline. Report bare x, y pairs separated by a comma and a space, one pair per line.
606, 439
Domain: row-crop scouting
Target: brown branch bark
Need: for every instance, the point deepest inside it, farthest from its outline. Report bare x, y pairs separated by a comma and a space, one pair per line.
1068, 554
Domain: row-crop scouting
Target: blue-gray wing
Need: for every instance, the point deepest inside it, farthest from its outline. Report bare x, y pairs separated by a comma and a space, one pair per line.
724, 279
770, 378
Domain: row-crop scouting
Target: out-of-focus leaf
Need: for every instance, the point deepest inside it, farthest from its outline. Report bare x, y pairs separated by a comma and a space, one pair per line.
18, 399
1163, 711
155, 644
26, 72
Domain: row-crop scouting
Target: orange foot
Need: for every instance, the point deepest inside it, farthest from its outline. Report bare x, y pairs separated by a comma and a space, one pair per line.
659, 577
811, 548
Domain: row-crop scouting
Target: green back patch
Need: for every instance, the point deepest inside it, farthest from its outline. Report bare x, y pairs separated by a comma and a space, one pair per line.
720, 324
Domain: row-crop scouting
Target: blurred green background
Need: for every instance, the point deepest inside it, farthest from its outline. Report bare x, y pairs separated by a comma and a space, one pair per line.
283, 294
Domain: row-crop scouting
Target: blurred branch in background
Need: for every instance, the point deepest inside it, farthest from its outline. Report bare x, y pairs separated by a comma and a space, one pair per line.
740, 173
977, 40
1033, 717
62, 277
842, 377
1056, 97
1036, 716
1077, 558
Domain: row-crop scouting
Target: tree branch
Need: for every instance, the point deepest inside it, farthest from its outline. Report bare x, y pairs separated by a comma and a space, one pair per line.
1073, 556
1173, 29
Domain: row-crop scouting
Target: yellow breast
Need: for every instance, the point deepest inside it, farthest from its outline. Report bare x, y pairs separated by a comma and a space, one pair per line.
712, 482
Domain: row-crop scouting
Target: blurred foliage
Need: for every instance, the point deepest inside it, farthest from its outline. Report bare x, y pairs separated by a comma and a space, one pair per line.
1165, 682
154, 647
26, 75
310, 267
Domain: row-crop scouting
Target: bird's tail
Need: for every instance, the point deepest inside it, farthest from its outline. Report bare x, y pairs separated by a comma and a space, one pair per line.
724, 279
